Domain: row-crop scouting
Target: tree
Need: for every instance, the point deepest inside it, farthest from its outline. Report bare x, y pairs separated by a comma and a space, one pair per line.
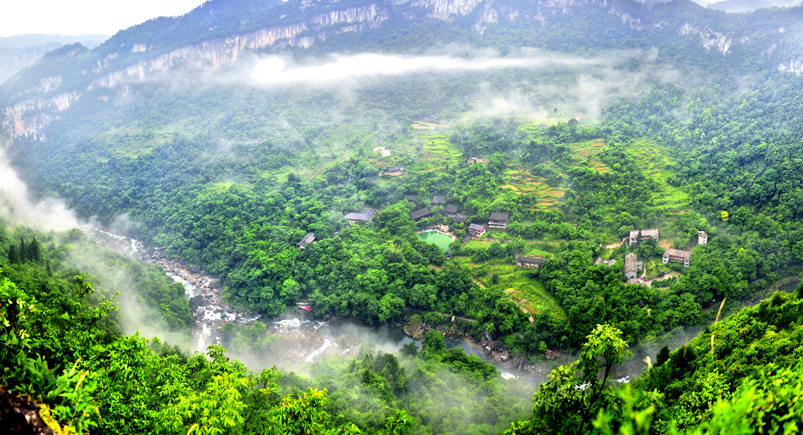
13, 255
291, 291
23, 251
567, 402
723, 215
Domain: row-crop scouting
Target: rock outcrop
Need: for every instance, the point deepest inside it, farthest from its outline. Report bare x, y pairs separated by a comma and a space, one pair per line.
446, 10
30, 117
792, 66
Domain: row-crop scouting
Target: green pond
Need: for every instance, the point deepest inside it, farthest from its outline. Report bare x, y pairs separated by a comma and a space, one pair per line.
434, 237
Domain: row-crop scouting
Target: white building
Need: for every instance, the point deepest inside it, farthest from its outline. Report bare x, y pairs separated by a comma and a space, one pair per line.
702, 238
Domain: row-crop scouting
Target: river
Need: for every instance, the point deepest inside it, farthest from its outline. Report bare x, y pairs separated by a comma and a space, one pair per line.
307, 338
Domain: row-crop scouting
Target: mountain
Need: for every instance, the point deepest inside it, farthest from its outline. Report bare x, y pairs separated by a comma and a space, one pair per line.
740, 6
17, 52
219, 33
35, 39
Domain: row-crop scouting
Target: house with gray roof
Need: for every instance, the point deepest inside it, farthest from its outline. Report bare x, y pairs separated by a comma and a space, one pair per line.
528, 262
309, 238
632, 266
451, 209
476, 230
420, 214
460, 218
411, 198
365, 216
395, 170
638, 236
498, 220
678, 256
438, 200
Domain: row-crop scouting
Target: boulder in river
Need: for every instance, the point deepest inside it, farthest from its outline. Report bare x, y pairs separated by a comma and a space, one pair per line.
415, 327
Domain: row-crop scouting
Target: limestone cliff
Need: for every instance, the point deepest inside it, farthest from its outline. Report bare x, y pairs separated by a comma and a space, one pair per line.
446, 10
30, 117
792, 65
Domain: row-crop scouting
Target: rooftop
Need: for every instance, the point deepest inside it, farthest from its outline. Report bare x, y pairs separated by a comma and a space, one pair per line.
309, 238
631, 263
365, 215
450, 208
634, 234
438, 199
649, 233
499, 216
678, 253
476, 227
411, 198
529, 260
418, 214
460, 218
395, 169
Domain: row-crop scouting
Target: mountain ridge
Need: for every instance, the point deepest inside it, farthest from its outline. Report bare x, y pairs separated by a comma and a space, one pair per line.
36, 96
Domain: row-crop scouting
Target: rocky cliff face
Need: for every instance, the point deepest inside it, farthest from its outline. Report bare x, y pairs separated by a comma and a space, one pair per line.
29, 118
446, 10
792, 66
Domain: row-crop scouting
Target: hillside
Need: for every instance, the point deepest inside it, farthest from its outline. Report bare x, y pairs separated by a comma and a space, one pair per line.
420, 211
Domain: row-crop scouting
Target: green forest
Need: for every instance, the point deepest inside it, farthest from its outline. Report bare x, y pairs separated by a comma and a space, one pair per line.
628, 185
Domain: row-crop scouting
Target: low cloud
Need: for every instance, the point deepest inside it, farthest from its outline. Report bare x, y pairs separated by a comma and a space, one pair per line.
17, 205
337, 69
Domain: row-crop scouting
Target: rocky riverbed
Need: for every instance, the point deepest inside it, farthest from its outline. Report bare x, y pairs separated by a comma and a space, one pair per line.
299, 336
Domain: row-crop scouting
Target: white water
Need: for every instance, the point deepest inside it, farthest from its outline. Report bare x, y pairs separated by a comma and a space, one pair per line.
506, 375
288, 324
189, 289
318, 351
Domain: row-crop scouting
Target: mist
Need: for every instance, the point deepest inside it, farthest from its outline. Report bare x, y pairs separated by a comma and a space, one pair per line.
16, 203
276, 70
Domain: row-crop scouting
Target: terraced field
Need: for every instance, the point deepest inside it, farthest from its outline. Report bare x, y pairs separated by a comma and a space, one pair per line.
653, 160
588, 150
439, 148
528, 293
522, 182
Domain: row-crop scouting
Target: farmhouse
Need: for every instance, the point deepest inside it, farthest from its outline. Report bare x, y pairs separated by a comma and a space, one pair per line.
410, 198
460, 218
632, 266
473, 160
635, 237
420, 214
466, 239
476, 230
365, 216
528, 262
677, 256
702, 238
437, 200
395, 170
498, 220
431, 118
309, 238
451, 209
376, 149
385, 153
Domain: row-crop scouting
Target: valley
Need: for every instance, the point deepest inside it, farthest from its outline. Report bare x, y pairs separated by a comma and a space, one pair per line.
419, 217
